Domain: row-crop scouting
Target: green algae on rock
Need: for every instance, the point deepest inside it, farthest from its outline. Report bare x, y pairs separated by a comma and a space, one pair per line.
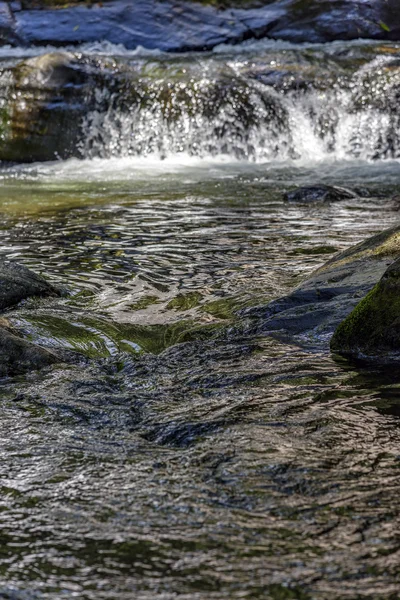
373, 328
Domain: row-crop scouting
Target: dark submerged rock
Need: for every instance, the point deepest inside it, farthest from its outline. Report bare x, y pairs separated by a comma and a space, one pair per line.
18, 283
16, 354
319, 193
310, 315
373, 328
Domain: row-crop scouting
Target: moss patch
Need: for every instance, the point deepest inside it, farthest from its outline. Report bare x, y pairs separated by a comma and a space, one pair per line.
185, 301
373, 327
220, 309
144, 302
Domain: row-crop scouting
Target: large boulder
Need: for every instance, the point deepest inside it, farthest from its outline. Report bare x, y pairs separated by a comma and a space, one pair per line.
373, 328
181, 25
168, 25
312, 312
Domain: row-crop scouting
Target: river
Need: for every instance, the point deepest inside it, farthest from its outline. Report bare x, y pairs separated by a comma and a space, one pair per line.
186, 455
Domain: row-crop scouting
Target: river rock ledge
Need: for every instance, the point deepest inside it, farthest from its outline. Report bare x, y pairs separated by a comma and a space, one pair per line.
182, 25
310, 315
17, 355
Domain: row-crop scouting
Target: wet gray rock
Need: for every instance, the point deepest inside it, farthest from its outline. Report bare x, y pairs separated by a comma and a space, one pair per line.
179, 25
17, 355
18, 283
319, 193
325, 21
8, 34
171, 26
310, 315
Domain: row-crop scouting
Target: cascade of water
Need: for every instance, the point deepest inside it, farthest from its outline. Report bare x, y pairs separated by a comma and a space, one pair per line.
238, 112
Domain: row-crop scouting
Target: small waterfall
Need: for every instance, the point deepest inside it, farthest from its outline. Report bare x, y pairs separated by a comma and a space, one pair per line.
231, 117
256, 111
336, 102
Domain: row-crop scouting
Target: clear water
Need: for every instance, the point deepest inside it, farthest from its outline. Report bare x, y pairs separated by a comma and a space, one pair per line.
181, 456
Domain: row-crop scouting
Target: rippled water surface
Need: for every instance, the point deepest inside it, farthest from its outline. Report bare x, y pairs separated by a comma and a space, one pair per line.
181, 456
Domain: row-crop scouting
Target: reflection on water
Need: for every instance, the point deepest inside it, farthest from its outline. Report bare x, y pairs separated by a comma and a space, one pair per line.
186, 458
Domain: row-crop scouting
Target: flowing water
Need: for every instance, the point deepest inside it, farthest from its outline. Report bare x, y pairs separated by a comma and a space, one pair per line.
181, 455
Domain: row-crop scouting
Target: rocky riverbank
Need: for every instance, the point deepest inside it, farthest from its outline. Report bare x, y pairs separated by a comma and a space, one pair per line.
180, 25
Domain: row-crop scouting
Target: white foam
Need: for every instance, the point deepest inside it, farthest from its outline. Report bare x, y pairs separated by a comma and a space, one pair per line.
268, 44
105, 48
151, 169
101, 48
120, 169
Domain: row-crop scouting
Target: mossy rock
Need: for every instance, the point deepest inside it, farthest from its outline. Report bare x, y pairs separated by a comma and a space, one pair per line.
373, 328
